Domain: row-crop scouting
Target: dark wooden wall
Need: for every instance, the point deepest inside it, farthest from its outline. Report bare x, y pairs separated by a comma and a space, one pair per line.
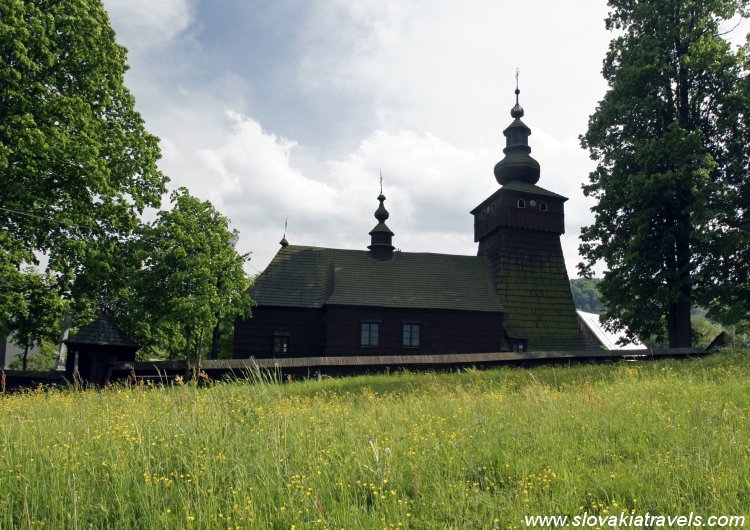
335, 330
442, 331
305, 327
503, 211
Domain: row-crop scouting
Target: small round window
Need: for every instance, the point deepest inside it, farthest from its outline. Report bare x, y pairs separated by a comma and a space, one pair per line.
543, 206
521, 203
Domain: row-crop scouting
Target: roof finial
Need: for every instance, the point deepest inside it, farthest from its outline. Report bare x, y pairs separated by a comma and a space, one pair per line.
517, 111
284, 243
381, 181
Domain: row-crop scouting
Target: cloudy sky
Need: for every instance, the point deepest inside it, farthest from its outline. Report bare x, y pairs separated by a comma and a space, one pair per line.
289, 108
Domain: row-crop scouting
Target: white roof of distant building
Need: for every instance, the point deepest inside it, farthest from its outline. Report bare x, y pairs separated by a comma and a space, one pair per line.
609, 340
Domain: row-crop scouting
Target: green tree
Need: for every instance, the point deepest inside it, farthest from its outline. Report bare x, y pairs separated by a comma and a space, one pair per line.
37, 313
192, 277
670, 140
44, 359
586, 294
76, 164
10, 280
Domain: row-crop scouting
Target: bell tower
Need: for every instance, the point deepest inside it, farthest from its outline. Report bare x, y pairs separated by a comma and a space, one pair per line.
518, 229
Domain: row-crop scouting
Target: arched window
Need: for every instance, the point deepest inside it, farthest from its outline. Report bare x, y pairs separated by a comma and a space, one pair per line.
543, 206
521, 203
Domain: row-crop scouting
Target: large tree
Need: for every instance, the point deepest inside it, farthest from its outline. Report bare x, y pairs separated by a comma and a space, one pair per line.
76, 164
670, 139
192, 278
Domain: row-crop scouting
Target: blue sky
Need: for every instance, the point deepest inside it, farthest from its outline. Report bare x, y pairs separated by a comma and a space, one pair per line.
290, 108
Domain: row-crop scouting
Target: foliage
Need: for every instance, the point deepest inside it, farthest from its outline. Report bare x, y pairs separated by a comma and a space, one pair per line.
77, 170
44, 359
480, 449
192, 277
37, 313
76, 164
704, 331
10, 279
670, 138
586, 294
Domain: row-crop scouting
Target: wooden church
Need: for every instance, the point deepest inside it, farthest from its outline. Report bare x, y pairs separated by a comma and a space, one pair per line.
514, 295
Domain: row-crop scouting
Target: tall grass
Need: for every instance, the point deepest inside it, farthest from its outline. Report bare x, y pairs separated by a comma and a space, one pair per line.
480, 449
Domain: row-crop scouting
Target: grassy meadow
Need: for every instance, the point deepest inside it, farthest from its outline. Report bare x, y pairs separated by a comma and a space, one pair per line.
479, 449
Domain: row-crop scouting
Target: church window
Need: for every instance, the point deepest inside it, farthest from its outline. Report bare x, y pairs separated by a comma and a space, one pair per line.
410, 335
543, 206
521, 203
280, 343
369, 334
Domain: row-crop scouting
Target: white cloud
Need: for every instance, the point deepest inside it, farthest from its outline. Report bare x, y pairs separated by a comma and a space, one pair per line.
144, 23
442, 67
252, 163
256, 178
435, 81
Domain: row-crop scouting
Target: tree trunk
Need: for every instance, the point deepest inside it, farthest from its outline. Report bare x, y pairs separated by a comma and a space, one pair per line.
26, 355
678, 321
215, 337
679, 326
187, 351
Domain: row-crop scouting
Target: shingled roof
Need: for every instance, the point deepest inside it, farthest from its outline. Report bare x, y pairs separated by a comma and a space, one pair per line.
302, 276
531, 189
102, 332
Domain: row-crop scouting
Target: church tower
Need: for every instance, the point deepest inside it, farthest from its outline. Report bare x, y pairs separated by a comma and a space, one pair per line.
518, 228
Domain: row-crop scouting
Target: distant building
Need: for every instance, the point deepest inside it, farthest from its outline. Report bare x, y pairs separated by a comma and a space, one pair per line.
609, 340
95, 347
513, 296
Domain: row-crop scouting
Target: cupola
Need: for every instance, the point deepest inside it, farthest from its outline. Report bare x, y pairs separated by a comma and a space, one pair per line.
517, 165
381, 237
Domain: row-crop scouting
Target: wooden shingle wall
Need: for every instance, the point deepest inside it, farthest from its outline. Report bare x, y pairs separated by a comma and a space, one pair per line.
532, 283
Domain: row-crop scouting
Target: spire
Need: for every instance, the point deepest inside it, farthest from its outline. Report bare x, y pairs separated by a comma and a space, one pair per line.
284, 243
517, 164
381, 237
517, 111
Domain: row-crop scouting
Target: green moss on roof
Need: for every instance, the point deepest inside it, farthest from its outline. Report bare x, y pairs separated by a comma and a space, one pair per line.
533, 287
302, 276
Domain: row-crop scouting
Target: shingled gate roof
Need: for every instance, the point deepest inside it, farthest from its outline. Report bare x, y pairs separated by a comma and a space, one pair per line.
103, 332
303, 276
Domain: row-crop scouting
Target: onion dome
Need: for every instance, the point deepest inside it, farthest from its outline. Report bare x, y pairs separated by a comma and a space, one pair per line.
517, 163
381, 214
381, 237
